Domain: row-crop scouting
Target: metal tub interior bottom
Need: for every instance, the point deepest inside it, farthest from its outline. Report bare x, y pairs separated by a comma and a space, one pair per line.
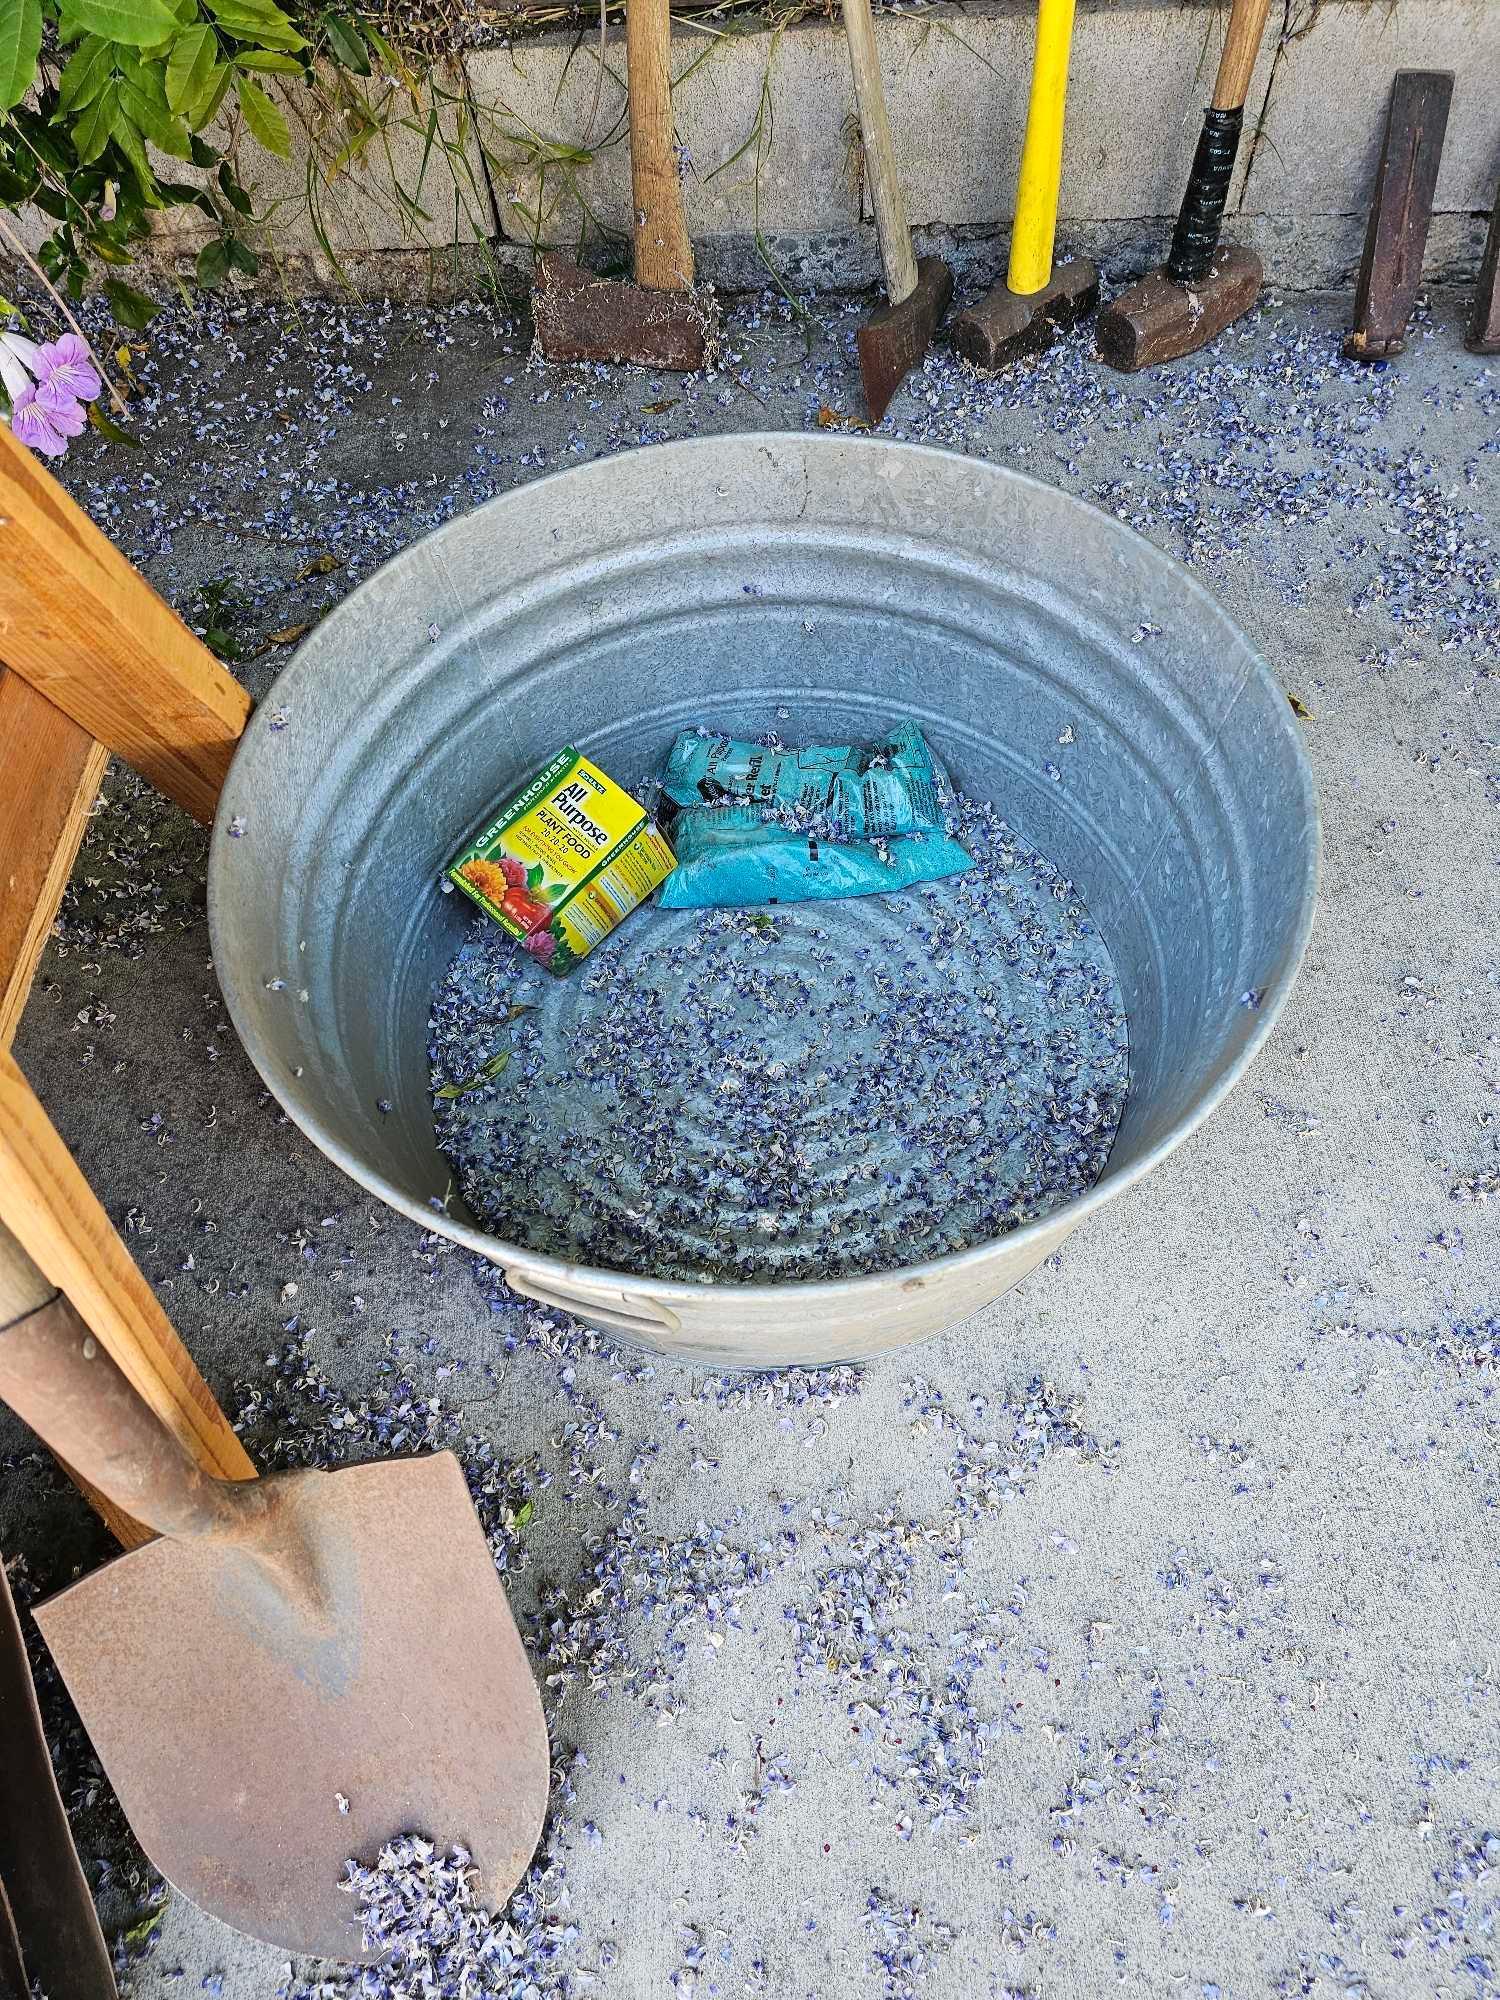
841, 581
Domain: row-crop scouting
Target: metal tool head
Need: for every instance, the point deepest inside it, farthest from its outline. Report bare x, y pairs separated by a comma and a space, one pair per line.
894, 339
581, 317
261, 1724
1157, 320
1006, 324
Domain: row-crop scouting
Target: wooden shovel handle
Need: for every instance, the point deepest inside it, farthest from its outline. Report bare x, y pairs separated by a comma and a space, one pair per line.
663, 250
59, 1380
880, 155
48, 1205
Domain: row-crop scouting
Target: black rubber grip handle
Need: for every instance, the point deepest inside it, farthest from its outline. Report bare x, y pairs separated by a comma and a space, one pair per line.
1196, 236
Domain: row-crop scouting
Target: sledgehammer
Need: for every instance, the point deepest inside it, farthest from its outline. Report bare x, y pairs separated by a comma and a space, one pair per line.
896, 337
1024, 315
1206, 285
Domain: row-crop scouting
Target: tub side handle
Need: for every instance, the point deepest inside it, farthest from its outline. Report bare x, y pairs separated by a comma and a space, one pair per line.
644, 1317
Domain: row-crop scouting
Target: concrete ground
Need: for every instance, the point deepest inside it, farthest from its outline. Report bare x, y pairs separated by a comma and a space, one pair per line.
1138, 1635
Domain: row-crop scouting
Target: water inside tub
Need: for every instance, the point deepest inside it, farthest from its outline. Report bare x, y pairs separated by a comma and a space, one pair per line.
806, 1091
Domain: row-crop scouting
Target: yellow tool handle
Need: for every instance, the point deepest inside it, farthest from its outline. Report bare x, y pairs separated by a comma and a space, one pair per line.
1035, 225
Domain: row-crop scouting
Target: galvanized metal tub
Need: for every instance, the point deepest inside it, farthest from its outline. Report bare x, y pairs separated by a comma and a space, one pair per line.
834, 583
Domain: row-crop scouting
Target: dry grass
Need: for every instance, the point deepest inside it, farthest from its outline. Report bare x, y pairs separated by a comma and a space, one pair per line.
427, 30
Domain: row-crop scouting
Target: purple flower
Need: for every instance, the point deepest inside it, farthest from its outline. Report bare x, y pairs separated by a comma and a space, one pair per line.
63, 408
68, 365
33, 425
48, 386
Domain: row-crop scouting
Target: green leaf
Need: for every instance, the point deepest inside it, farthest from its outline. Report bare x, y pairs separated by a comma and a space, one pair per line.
190, 68
242, 257
212, 266
385, 55
143, 100
106, 427
346, 45
130, 307
534, 875
259, 22
233, 193
89, 68
524, 1513
204, 155
180, 193
271, 59
556, 892
20, 45
136, 23
127, 136
481, 1076
209, 110
16, 188
92, 129
263, 118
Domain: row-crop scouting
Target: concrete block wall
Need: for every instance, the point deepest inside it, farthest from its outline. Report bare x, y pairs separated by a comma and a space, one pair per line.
537, 146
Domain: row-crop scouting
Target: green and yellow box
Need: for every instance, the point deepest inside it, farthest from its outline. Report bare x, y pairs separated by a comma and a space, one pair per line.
566, 861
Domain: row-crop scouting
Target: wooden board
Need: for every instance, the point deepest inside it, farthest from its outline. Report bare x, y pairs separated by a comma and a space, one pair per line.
57, 1219
50, 770
1391, 270
1483, 336
88, 632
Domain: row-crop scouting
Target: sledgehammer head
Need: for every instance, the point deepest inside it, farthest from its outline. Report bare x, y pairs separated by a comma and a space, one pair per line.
1158, 320
1006, 324
895, 338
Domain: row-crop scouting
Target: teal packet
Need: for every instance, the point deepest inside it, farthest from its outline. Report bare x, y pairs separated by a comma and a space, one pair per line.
767, 824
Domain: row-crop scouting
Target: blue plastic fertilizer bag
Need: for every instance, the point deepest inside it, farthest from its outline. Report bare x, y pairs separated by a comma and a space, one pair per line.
772, 825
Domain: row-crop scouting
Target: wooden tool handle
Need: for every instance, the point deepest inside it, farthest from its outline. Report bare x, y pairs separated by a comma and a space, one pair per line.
880, 155
52, 1211
58, 1379
1201, 217
1247, 23
1034, 230
663, 251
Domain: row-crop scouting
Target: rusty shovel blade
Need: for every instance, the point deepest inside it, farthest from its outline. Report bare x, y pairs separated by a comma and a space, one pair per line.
261, 1723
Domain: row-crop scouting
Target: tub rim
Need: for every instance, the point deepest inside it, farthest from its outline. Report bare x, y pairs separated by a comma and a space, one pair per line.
1057, 1223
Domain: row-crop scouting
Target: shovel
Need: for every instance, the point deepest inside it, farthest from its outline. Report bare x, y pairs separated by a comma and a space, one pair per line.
303, 1667
47, 1916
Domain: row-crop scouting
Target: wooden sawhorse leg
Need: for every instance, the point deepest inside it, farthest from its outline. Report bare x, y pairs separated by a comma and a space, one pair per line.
91, 662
